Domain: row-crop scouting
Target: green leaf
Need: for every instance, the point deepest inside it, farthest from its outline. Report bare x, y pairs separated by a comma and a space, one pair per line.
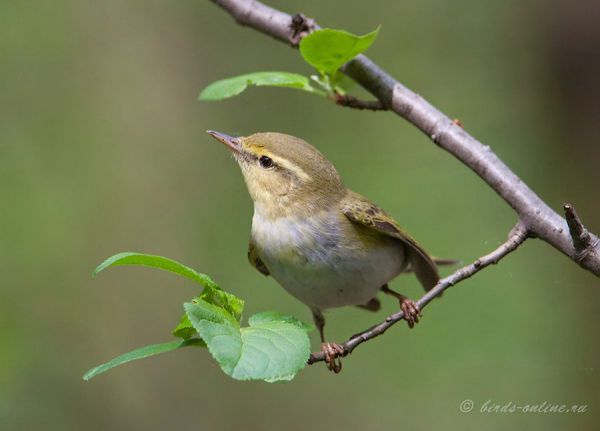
230, 303
274, 347
327, 50
274, 316
141, 353
160, 262
184, 329
212, 293
233, 86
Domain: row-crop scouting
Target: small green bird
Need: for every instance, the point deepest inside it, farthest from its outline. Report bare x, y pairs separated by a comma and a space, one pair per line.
325, 244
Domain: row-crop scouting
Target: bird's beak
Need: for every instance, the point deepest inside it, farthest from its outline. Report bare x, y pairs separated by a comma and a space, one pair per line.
234, 144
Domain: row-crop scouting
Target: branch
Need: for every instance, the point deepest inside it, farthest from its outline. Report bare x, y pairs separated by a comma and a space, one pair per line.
352, 102
585, 243
539, 219
516, 237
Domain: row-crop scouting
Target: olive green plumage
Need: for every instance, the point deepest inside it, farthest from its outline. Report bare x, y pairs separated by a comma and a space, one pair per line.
325, 244
360, 210
301, 183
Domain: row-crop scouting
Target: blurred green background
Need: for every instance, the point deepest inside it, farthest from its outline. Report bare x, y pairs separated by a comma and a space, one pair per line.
103, 149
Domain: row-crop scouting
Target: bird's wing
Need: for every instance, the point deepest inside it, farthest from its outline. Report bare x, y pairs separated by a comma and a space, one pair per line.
255, 260
362, 211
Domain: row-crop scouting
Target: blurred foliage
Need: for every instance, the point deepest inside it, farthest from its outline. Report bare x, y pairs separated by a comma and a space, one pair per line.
102, 148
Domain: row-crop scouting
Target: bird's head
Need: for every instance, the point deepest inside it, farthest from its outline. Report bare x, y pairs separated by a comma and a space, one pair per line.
284, 174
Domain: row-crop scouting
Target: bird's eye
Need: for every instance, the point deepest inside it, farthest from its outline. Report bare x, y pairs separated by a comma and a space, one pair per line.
265, 162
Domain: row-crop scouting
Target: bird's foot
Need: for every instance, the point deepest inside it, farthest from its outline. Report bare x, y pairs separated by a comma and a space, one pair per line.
411, 310
333, 353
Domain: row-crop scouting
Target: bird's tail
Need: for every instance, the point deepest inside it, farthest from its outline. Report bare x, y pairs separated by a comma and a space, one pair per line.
445, 262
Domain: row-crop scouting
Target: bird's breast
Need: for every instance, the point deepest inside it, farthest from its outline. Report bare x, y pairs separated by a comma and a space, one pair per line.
324, 260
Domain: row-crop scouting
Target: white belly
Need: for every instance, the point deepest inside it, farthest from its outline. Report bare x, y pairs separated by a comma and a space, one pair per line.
320, 268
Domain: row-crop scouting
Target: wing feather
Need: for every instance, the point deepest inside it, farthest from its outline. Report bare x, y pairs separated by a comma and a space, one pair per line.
255, 261
360, 210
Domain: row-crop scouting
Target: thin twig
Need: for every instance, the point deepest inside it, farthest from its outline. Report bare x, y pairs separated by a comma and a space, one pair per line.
580, 235
540, 219
355, 103
585, 244
517, 236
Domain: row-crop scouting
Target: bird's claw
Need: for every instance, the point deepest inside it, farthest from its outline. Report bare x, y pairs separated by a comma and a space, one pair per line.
411, 310
333, 353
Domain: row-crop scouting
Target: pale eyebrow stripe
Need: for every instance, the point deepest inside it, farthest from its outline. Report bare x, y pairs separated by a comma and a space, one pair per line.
294, 168
284, 163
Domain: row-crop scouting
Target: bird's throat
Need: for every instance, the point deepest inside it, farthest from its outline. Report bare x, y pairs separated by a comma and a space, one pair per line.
294, 207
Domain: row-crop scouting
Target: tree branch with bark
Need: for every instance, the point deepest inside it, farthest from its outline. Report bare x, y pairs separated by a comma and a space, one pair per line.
536, 219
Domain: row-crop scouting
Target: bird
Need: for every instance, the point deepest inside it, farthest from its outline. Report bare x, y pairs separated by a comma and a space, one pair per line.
325, 244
